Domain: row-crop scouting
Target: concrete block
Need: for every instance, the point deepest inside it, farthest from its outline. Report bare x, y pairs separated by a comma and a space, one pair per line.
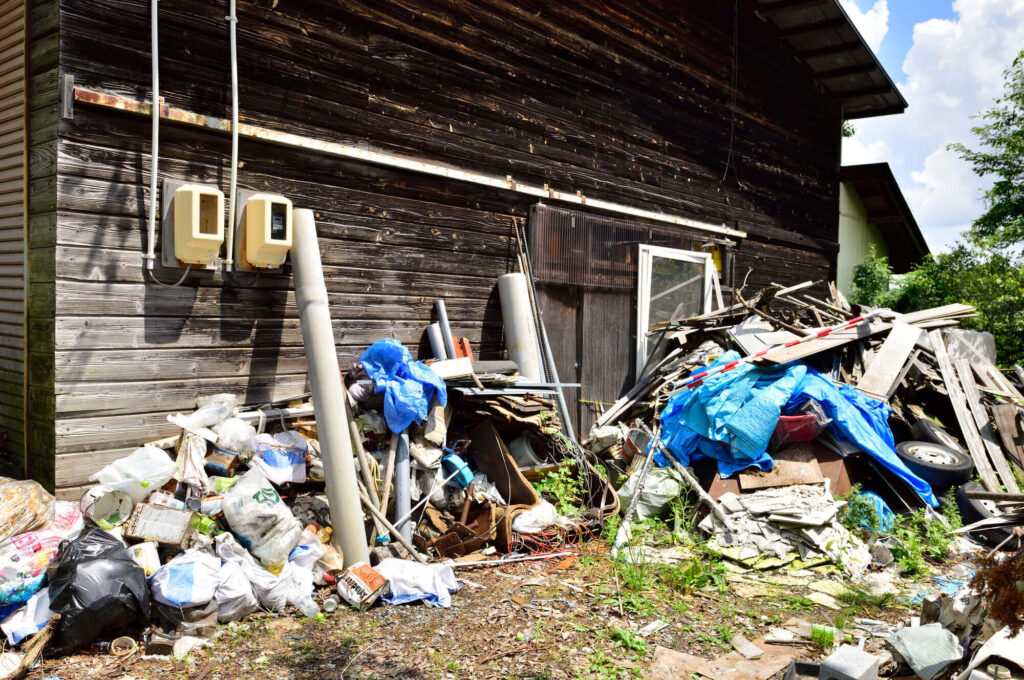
849, 663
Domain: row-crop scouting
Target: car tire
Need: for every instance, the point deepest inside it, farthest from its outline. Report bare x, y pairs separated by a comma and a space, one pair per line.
927, 431
938, 465
973, 510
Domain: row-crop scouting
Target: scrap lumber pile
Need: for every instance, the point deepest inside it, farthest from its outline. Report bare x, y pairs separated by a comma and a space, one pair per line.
784, 388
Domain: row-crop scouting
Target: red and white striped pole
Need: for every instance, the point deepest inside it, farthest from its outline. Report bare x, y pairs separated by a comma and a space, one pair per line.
698, 378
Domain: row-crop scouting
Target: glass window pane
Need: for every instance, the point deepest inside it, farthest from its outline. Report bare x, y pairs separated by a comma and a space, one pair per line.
677, 290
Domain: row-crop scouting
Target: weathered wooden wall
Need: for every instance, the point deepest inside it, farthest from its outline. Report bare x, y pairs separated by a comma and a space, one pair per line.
625, 100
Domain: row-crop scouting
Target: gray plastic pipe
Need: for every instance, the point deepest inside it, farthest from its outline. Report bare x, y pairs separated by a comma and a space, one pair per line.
437, 342
403, 484
446, 330
328, 399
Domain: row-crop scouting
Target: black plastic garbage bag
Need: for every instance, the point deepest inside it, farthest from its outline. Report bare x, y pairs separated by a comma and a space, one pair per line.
97, 588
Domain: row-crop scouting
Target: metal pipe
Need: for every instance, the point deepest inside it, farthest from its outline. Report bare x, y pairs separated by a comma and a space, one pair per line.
389, 471
403, 486
437, 342
376, 514
427, 167
233, 186
446, 330
154, 40
325, 383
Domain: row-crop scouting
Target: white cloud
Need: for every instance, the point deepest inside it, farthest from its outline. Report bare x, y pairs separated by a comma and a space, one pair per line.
856, 152
953, 70
872, 24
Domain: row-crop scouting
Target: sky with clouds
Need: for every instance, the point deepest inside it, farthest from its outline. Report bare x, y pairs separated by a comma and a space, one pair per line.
947, 58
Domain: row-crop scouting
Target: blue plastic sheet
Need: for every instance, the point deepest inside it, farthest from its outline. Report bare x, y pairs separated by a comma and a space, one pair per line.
886, 517
731, 417
408, 386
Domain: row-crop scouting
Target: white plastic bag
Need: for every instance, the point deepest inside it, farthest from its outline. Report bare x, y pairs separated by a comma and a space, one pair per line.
188, 580
236, 436
258, 516
535, 519
281, 458
138, 474
211, 411
234, 595
274, 592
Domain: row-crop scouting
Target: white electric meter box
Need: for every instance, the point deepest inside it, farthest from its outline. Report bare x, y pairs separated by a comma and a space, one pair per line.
268, 230
198, 223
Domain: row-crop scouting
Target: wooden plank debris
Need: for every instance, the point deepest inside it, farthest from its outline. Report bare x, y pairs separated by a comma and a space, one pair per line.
981, 419
884, 370
963, 415
1009, 429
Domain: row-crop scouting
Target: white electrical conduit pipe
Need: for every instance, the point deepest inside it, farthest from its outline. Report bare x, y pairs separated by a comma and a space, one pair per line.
233, 186
325, 383
154, 31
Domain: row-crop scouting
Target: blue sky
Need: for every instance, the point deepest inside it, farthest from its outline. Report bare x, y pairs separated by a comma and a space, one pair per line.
947, 58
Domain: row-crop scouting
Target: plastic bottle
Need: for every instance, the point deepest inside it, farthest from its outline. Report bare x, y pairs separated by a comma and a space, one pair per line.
330, 604
309, 608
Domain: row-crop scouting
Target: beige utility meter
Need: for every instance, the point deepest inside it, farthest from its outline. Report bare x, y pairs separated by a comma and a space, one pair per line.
268, 230
198, 223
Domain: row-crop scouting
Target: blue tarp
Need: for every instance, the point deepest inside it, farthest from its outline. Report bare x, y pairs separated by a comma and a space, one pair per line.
731, 416
408, 386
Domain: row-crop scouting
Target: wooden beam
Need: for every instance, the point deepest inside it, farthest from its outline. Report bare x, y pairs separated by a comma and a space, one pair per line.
1010, 431
863, 92
827, 50
805, 29
789, 5
963, 415
846, 71
882, 374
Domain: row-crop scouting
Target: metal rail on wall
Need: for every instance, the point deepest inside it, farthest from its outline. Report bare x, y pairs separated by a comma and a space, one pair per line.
361, 153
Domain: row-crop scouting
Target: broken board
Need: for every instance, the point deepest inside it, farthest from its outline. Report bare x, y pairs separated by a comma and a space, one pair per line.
785, 473
985, 431
884, 371
1008, 426
958, 399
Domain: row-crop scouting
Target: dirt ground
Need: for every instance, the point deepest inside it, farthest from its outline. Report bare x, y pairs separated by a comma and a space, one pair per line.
580, 621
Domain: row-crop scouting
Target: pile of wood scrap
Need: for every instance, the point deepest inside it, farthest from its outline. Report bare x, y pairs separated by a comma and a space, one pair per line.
942, 382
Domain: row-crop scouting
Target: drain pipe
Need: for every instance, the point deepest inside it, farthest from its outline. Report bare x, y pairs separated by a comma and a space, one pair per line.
232, 191
154, 38
403, 487
328, 399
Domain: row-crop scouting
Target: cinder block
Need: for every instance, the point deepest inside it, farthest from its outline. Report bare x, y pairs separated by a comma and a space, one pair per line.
849, 663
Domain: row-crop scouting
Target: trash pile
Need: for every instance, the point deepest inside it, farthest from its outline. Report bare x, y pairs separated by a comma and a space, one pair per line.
232, 515
782, 403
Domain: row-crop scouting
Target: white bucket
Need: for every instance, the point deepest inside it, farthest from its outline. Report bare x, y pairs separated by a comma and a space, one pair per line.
106, 506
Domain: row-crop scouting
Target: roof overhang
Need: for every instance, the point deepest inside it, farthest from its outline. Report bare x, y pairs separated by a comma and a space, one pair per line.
822, 35
888, 210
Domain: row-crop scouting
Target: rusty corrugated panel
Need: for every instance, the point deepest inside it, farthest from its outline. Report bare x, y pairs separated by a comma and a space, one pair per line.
577, 248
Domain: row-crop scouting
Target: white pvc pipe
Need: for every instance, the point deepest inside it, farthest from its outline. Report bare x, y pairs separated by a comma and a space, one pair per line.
154, 31
325, 383
520, 331
446, 329
233, 187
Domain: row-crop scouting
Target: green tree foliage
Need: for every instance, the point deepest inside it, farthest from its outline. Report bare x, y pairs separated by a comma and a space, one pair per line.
871, 280
1001, 157
992, 281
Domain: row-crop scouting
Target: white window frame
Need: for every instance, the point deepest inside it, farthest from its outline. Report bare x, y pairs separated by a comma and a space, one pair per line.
712, 290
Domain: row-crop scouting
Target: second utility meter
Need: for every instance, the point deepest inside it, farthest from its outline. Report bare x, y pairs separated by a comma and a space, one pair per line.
268, 230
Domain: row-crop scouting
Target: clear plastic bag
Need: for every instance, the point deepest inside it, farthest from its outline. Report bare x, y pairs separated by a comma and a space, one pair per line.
24, 505
212, 410
25, 557
258, 516
236, 436
804, 424
139, 474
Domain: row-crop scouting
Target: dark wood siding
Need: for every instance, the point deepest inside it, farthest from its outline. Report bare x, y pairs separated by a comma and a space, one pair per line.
628, 101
